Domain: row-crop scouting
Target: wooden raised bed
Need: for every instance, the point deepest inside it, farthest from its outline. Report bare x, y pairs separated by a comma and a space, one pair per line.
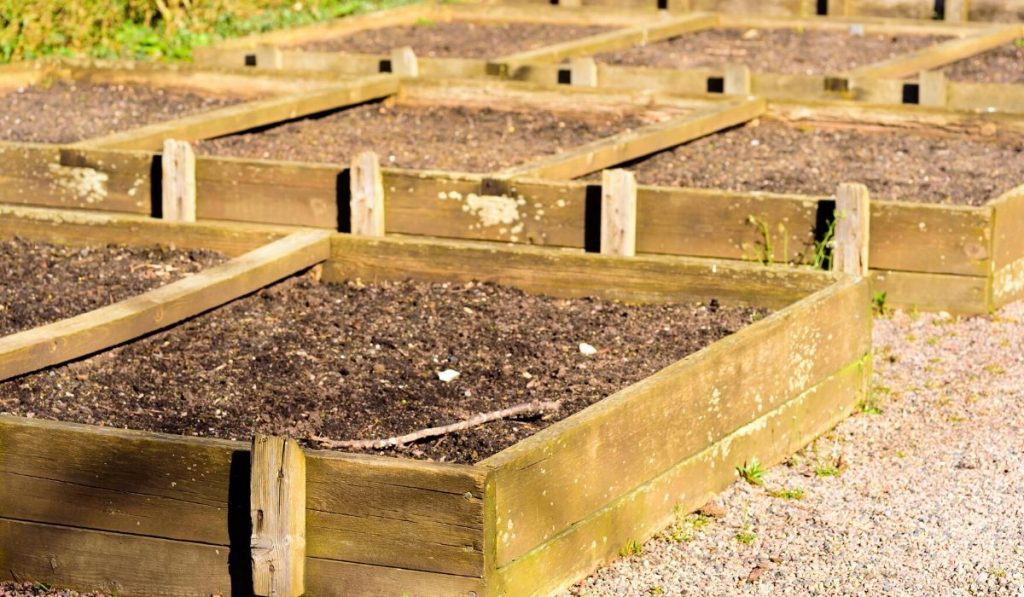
144, 513
570, 62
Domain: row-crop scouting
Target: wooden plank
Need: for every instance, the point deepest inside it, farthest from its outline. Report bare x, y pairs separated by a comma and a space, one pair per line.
46, 175
271, 192
604, 42
58, 342
121, 481
630, 145
178, 196
570, 273
1008, 247
367, 202
933, 89
240, 117
985, 96
940, 239
933, 292
938, 55
277, 498
114, 563
717, 390
326, 576
647, 509
852, 229
68, 227
618, 213
396, 513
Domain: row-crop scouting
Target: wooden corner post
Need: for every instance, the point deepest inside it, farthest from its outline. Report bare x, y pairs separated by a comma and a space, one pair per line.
852, 229
737, 80
955, 11
583, 71
404, 62
178, 184
278, 511
618, 213
932, 89
367, 195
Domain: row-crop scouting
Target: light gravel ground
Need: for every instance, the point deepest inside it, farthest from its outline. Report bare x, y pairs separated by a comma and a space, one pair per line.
930, 499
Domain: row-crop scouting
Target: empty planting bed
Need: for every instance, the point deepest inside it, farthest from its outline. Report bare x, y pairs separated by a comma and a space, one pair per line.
455, 39
71, 111
1001, 65
900, 164
351, 361
787, 51
44, 283
460, 138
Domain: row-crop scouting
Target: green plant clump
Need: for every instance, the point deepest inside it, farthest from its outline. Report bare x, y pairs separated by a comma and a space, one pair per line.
163, 29
752, 472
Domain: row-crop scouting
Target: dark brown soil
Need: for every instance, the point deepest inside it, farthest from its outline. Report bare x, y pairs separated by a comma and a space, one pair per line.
43, 283
895, 164
1001, 65
456, 40
466, 139
29, 589
63, 112
362, 362
770, 50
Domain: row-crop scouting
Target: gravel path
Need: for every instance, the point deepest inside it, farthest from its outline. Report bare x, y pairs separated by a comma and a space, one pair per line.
929, 499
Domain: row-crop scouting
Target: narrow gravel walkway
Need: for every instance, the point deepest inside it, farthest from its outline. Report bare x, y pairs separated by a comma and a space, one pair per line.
925, 497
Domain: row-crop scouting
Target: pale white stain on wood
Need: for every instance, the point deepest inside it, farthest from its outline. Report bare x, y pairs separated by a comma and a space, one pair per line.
367, 201
852, 229
618, 213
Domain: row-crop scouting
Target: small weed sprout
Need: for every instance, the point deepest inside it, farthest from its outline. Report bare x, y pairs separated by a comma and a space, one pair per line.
828, 470
656, 590
878, 303
752, 472
870, 405
687, 525
766, 255
822, 257
794, 493
745, 535
631, 548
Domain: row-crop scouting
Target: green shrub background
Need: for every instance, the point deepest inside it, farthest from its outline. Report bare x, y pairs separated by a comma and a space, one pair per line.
165, 29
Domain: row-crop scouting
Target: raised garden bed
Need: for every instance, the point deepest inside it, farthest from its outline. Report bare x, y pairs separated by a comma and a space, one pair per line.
170, 514
1004, 65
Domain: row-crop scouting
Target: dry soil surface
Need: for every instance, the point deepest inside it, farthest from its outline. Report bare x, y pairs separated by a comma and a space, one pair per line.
1004, 64
929, 497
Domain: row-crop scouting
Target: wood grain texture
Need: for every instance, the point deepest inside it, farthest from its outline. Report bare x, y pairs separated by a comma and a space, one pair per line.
367, 191
69, 227
561, 475
940, 239
277, 498
1008, 248
570, 273
178, 171
618, 213
933, 292
58, 342
118, 564
852, 229
645, 510
331, 577
248, 115
939, 54
403, 514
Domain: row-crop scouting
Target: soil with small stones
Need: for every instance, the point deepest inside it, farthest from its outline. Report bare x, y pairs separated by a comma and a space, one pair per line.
929, 499
43, 283
456, 40
449, 138
899, 165
362, 362
64, 112
770, 50
1001, 65
30, 589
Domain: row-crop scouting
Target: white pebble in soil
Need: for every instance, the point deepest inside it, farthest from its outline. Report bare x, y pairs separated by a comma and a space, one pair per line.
929, 501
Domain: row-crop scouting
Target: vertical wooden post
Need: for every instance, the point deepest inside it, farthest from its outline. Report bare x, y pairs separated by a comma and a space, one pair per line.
852, 229
278, 511
583, 71
737, 80
956, 11
367, 195
178, 182
269, 57
932, 89
404, 62
618, 213
838, 8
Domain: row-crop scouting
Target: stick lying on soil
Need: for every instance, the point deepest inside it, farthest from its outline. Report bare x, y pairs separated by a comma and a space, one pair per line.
525, 408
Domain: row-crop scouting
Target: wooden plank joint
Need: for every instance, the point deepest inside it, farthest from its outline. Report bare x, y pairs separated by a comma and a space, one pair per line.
852, 229
737, 80
367, 201
618, 213
933, 89
178, 185
583, 71
404, 62
278, 511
